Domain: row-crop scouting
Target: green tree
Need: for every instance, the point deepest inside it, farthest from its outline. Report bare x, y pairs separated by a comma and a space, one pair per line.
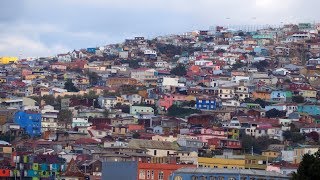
49, 99
298, 99
91, 95
262, 102
180, 70
177, 111
135, 135
70, 87
106, 113
309, 167
295, 137
65, 115
274, 113
261, 65
237, 65
93, 78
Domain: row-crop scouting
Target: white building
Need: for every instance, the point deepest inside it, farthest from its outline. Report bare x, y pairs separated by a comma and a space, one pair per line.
49, 118
150, 52
161, 64
144, 74
80, 121
107, 102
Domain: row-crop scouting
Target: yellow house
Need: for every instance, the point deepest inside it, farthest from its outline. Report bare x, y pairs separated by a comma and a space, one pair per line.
256, 162
270, 154
8, 60
3, 80
308, 93
301, 151
190, 98
221, 163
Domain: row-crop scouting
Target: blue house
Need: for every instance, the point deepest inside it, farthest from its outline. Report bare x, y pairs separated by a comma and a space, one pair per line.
281, 96
207, 103
30, 121
310, 109
91, 50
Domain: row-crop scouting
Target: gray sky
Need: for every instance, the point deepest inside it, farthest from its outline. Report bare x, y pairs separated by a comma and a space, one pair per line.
47, 27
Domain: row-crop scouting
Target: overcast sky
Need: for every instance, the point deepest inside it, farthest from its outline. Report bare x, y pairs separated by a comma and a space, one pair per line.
47, 27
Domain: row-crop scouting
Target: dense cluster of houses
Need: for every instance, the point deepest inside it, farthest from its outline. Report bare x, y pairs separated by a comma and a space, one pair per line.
174, 107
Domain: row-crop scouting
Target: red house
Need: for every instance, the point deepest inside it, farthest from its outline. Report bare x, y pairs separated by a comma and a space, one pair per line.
216, 143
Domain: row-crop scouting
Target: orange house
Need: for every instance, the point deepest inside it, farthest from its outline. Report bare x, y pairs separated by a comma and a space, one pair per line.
157, 171
261, 95
5, 173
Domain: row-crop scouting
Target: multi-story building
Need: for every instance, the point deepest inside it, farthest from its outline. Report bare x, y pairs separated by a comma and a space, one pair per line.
30, 121
301, 151
49, 119
139, 170
224, 163
207, 103
135, 110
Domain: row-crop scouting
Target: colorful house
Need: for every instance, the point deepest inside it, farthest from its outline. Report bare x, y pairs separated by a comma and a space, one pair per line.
281, 96
38, 166
221, 163
8, 60
30, 121
207, 103
135, 110
139, 170
261, 95
169, 99
311, 109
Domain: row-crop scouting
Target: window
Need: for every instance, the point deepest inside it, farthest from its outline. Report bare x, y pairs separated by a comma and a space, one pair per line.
155, 152
152, 174
161, 176
142, 174
178, 178
148, 174
203, 178
194, 178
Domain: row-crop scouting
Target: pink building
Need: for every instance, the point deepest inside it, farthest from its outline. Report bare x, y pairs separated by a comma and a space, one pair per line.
168, 99
26, 72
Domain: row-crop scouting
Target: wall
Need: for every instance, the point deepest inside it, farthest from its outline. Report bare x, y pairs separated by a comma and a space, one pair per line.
115, 170
221, 163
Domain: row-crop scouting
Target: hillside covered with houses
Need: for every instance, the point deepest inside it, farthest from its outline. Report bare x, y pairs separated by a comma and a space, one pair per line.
246, 102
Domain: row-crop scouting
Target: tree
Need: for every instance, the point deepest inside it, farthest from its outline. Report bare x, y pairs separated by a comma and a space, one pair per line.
65, 115
241, 34
135, 135
314, 136
106, 113
93, 78
274, 113
124, 108
258, 145
237, 65
180, 70
309, 167
177, 111
69, 86
261, 65
91, 95
49, 99
295, 137
261, 102
298, 99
